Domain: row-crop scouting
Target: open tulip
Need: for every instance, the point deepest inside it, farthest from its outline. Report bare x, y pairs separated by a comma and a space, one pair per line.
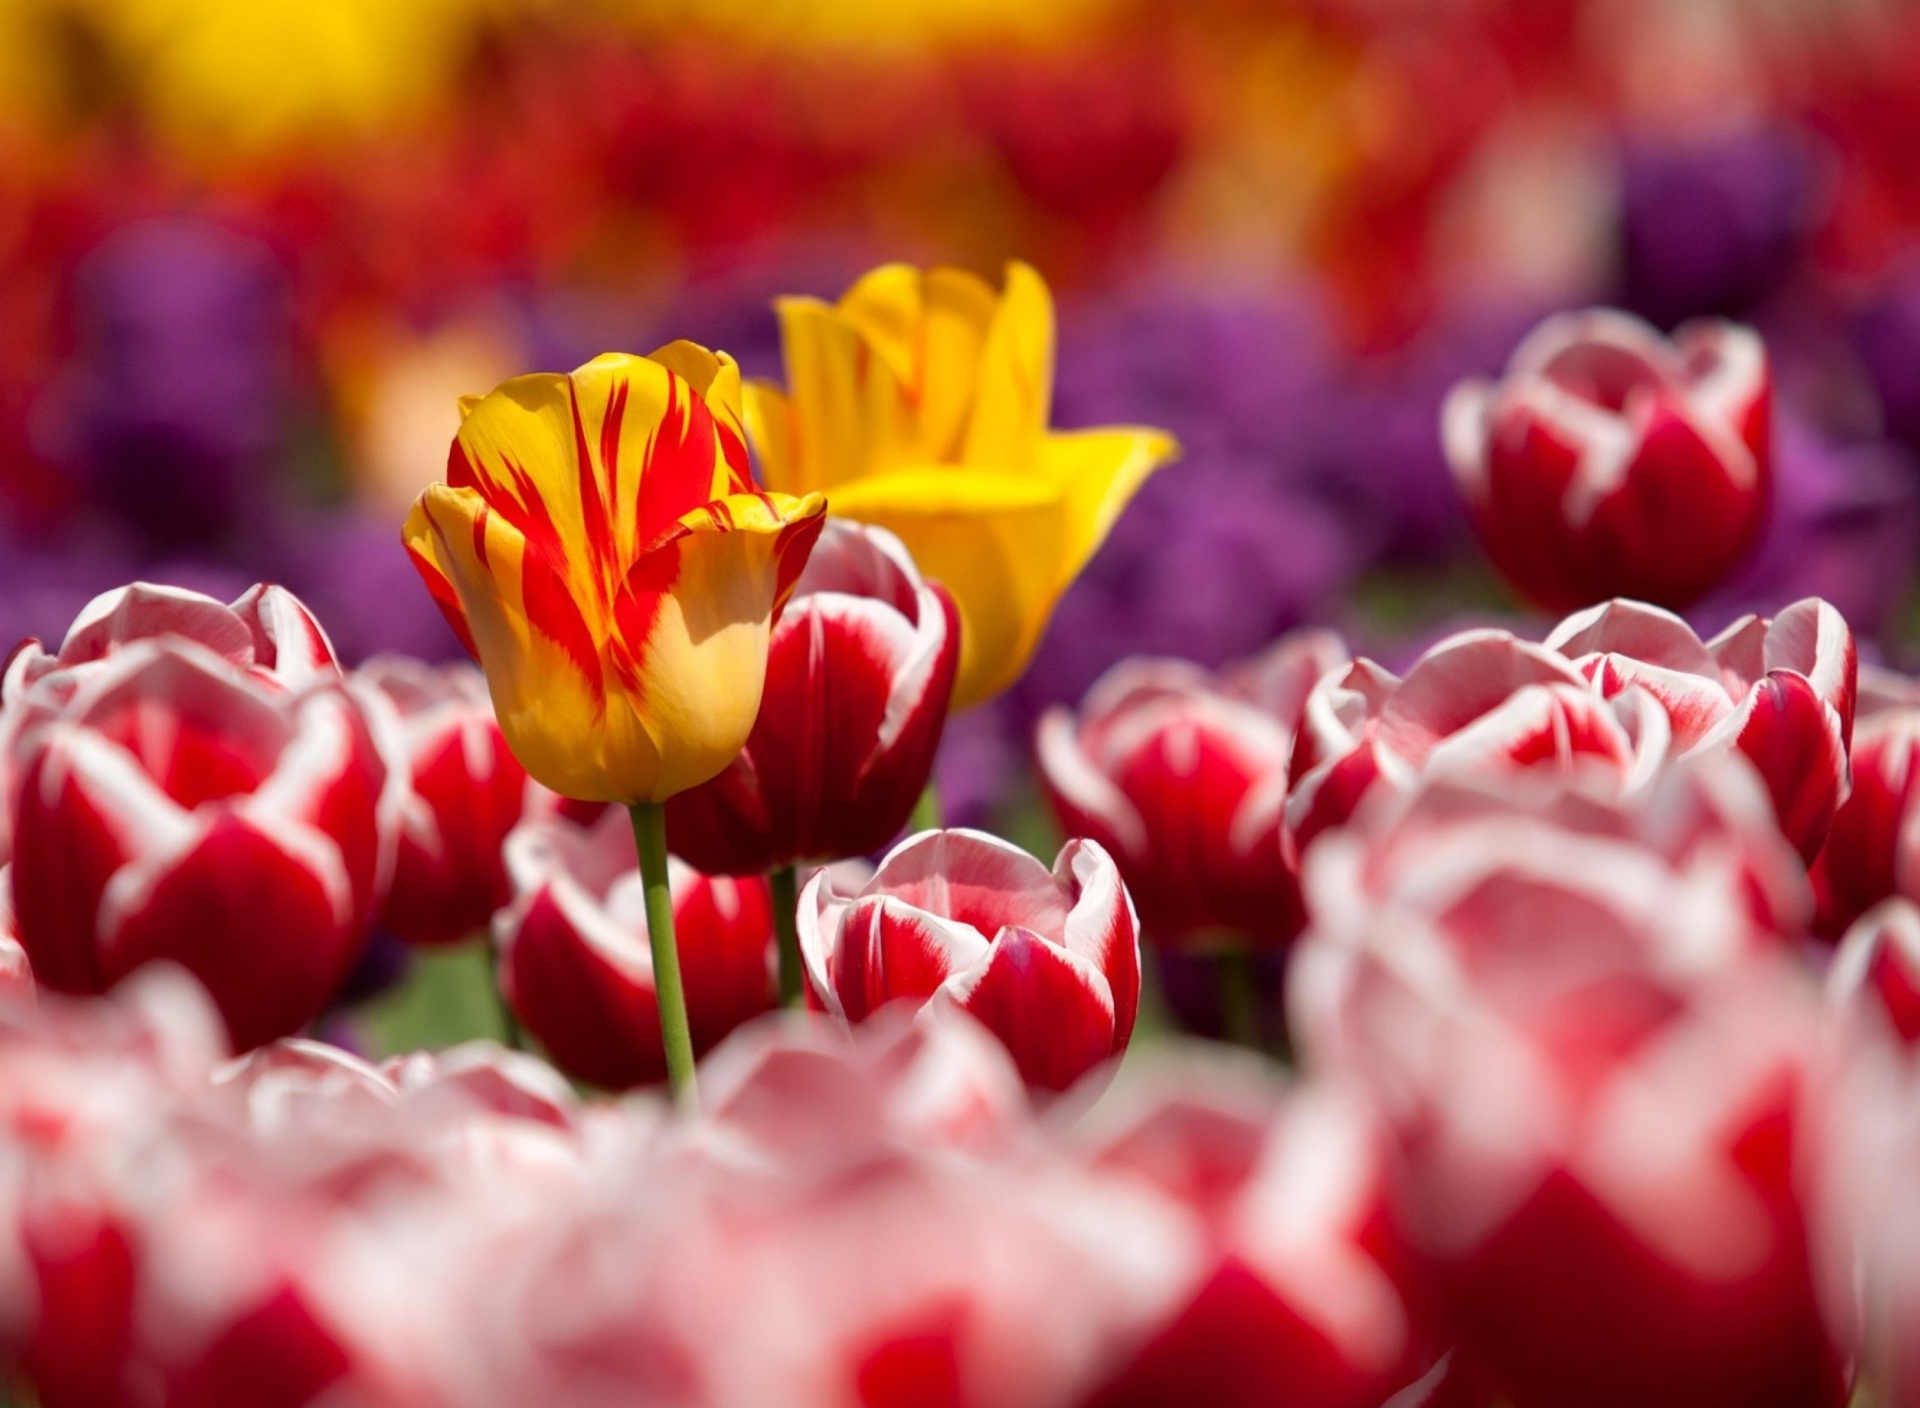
575, 960
1611, 461
1183, 778
187, 788
467, 792
1048, 962
920, 402
859, 675
601, 551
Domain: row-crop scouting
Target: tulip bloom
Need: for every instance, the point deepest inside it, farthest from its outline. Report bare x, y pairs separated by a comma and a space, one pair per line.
920, 402
1583, 1037
860, 672
575, 957
601, 551
1048, 962
1610, 461
1781, 691
194, 782
1876, 969
1183, 778
466, 793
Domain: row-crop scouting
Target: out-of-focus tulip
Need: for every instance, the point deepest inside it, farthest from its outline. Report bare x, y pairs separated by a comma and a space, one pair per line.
1298, 1296
1873, 850
1622, 681
467, 792
1594, 1059
920, 402
1877, 968
1047, 961
860, 672
1612, 461
576, 966
1781, 691
1182, 777
196, 782
600, 548
1481, 703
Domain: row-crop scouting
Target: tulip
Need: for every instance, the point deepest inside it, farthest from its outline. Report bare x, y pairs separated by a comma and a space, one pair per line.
1781, 691
1182, 778
600, 549
1300, 1293
191, 782
1612, 461
1870, 854
1481, 703
920, 402
860, 670
1592, 1056
1048, 962
574, 948
467, 792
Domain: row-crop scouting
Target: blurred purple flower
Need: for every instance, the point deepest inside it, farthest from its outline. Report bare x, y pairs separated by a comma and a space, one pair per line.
1845, 526
1713, 224
174, 402
1887, 336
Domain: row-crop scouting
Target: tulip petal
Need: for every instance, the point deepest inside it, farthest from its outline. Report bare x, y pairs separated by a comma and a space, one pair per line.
974, 878
1014, 397
134, 612
1051, 1007
1102, 470
716, 377
1103, 929
889, 949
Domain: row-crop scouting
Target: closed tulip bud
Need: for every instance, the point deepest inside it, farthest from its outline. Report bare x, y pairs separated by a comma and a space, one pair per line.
466, 792
575, 964
1049, 962
194, 782
1182, 777
1612, 461
601, 550
860, 671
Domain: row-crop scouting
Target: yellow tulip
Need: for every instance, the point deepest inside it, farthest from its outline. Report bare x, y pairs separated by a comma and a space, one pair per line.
920, 401
601, 550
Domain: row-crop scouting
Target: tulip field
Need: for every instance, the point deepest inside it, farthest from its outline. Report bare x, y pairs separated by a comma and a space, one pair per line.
949, 704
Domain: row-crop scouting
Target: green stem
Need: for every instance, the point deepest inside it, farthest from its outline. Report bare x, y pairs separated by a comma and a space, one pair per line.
650, 840
785, 884
926, 811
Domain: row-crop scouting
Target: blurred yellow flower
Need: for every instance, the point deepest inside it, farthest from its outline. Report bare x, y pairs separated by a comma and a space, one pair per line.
600, 549
920, 402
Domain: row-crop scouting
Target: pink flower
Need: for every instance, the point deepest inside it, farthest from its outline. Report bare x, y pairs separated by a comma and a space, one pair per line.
196, 782
1612, 461
574, 958
1182, 777
860, 671
1594, 1053
1048, 962
466, 793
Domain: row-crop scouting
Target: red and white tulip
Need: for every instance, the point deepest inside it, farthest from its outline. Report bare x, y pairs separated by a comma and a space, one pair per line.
575, 964
466, 792
1610, 460
1048, 961
860, 671
197, 783
1182, 776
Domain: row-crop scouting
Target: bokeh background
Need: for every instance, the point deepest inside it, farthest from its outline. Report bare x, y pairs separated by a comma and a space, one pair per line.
251, 252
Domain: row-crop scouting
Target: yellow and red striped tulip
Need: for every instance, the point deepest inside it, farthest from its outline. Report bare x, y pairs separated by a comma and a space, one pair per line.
602, 552
921, 402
